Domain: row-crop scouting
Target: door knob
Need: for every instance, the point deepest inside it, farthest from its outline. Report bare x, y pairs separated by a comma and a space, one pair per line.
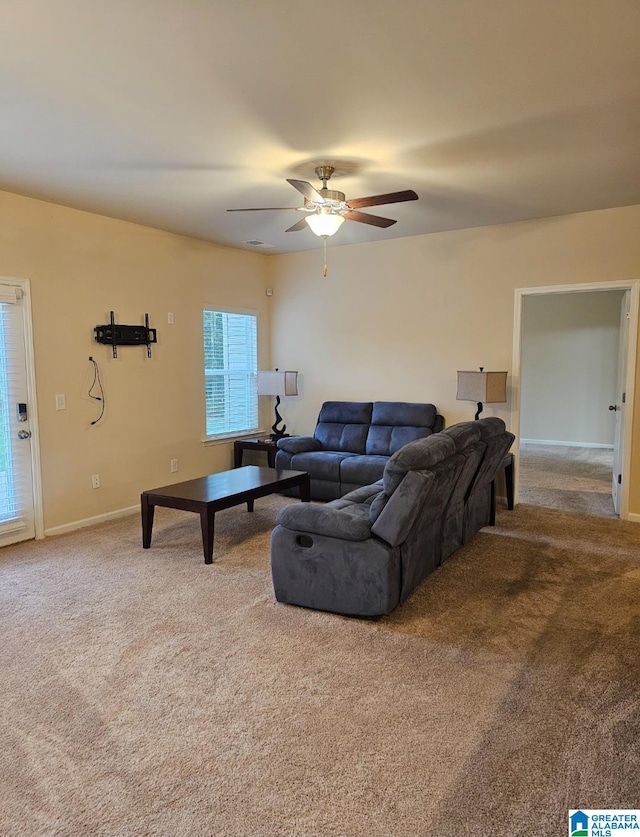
613, 406
24, 434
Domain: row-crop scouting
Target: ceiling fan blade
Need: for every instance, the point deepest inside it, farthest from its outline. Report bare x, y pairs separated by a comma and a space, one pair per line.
261, 208
307, 190
299, 225
378, 200
365, 218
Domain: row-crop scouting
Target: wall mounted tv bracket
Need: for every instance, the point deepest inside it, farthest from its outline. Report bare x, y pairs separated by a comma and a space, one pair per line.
126, 335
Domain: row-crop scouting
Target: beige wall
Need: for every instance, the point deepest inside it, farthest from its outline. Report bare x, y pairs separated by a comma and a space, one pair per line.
396, 319
392, 320
569, 367
80, 267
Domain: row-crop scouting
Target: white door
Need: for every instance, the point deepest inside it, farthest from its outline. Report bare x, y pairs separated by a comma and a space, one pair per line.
17, 515
619, 406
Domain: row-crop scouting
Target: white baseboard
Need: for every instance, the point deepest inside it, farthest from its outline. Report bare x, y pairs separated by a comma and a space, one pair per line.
114, 515
565, 444
90, 521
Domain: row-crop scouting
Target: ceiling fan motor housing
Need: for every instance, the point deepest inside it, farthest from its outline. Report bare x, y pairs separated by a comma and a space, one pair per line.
332, 195
332, 199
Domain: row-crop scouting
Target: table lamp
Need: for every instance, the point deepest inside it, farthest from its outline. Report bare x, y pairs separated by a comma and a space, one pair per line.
278, 384
482, 387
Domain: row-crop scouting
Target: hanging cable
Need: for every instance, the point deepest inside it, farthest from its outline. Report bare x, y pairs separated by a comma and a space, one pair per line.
97, 382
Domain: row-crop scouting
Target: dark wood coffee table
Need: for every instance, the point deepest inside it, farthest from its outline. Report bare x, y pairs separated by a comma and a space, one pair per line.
207, 495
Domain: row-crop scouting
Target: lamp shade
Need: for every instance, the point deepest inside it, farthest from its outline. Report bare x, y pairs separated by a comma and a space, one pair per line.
277, 383
324, 223
488, 387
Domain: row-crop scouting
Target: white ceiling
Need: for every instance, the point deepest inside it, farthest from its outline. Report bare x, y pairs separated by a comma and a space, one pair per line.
168, 112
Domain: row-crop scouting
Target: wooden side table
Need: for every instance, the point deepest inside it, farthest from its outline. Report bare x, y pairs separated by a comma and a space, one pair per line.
266, 445
507, 466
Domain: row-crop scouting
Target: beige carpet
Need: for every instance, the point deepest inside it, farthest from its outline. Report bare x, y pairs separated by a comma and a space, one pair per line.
144, 693
568, 478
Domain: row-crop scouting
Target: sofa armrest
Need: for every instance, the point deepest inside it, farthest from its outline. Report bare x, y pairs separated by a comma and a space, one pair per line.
321, 520
298, 444
438, 424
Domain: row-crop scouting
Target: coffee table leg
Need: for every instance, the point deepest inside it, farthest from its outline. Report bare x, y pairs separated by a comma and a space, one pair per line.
147, 509
250, 505
207, 519
305, 490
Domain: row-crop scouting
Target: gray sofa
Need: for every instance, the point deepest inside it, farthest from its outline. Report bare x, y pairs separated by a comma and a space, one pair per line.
366, 552
353, 441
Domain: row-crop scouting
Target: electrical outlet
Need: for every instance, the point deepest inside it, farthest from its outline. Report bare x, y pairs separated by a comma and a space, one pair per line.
61, 402
170, 317
95, 481
174, 466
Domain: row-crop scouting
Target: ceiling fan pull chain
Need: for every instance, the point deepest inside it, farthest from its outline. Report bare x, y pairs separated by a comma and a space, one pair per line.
325, 269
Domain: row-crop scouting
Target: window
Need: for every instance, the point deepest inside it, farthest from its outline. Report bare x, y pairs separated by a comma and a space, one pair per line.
230, 372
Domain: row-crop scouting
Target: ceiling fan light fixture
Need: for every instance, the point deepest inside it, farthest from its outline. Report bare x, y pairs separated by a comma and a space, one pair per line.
324, 223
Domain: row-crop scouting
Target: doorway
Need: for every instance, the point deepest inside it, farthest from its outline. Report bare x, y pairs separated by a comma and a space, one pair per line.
573, 426
20, 493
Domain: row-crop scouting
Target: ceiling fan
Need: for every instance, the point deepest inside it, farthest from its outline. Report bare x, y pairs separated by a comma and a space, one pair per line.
327, 209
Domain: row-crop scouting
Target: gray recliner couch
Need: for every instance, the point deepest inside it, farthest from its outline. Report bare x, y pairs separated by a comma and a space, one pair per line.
365, 553
353, 441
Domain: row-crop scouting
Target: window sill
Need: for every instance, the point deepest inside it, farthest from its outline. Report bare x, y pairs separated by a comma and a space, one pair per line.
232, 437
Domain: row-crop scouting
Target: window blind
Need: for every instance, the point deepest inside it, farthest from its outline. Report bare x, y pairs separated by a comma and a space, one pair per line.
230, 372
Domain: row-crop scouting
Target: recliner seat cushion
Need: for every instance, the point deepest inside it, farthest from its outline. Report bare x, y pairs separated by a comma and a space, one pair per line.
323, 464
362, 469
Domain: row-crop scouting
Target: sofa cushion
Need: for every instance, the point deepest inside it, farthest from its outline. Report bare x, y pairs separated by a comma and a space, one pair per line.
322, 464
464, 433
396, 423
491, 426
498, 440
346, 412
399, 513
400, 413
362, 469
298, 444
348, 524
416, 456
363, 495
466, 436
343, 425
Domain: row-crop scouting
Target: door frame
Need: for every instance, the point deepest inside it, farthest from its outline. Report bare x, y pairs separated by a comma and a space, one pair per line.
36, 472
632, 285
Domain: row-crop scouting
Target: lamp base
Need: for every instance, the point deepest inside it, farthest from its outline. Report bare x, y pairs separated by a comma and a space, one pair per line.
478, 411
278, 432
275, 436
